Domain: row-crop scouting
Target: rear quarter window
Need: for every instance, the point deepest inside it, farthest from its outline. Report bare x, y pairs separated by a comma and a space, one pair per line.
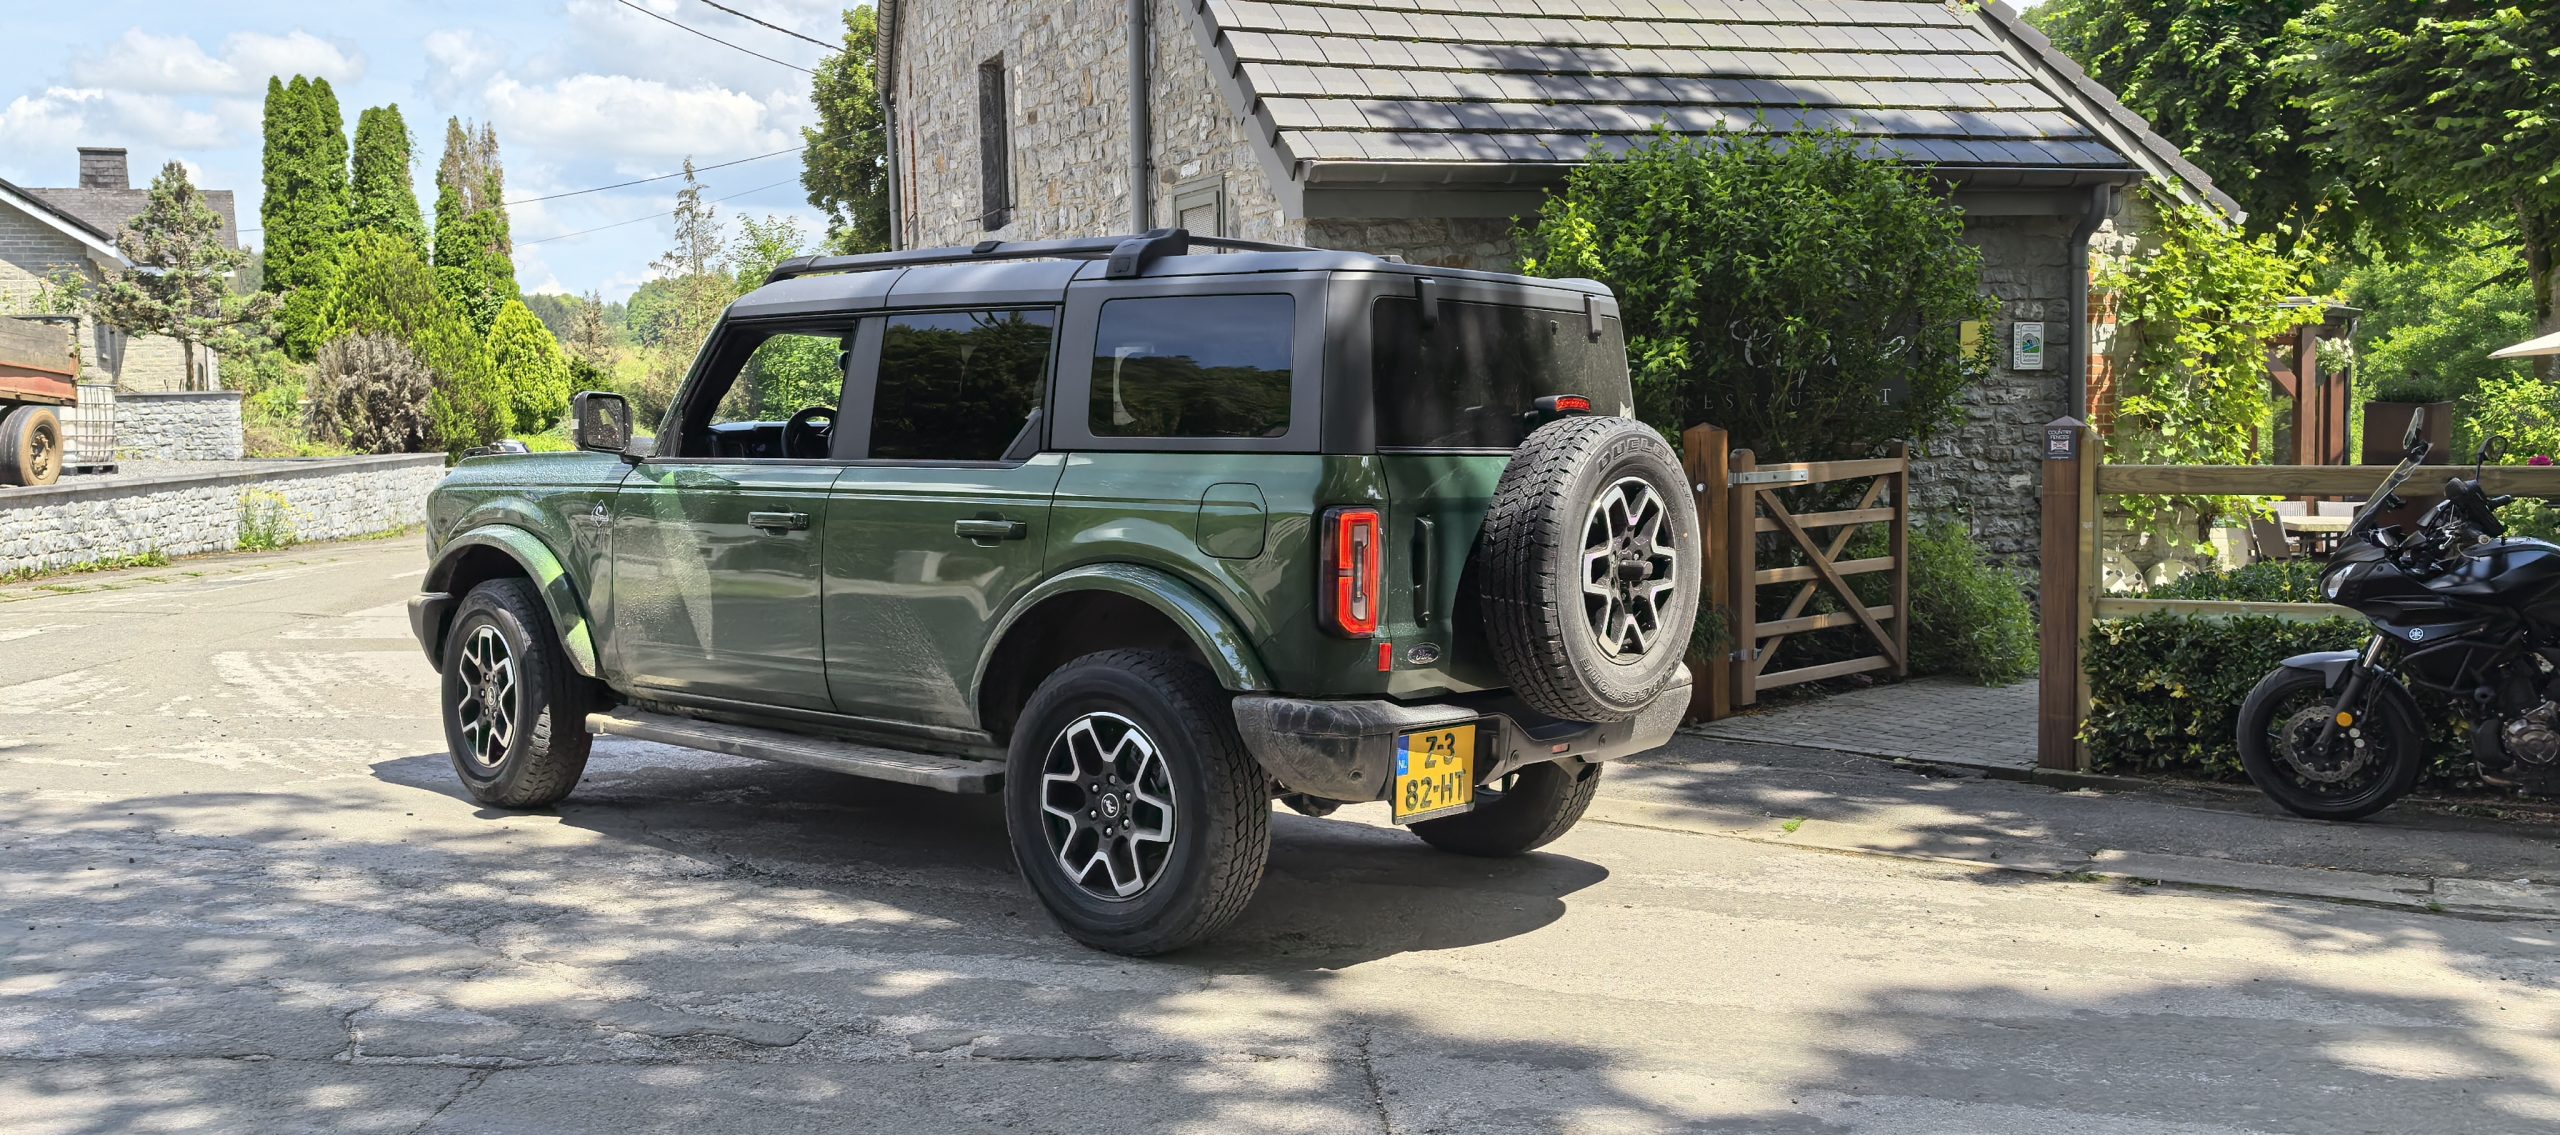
1466, 381
1193, 367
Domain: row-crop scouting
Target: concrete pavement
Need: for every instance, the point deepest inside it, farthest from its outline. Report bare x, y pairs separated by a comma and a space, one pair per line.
243, 894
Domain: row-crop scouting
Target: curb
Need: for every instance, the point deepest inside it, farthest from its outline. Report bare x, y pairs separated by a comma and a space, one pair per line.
2474, 898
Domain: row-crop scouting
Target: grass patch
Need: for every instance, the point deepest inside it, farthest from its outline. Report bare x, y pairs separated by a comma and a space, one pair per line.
114, 563
1790, 826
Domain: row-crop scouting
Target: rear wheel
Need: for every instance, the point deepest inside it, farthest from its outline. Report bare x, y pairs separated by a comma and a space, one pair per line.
30, 446
515, 713
1524, 811
2369, 761
1133, 809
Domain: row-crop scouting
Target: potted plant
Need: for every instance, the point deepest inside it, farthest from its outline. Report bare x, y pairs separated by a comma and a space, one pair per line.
2386, 417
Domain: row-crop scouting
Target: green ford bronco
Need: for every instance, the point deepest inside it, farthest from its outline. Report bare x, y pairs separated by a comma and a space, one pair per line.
1139, 536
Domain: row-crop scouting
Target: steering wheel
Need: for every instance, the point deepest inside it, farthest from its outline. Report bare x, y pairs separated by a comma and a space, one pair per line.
807, 434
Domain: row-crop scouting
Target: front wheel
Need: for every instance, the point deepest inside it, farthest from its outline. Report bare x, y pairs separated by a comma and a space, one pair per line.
2373, 756
1133, 809
515, 713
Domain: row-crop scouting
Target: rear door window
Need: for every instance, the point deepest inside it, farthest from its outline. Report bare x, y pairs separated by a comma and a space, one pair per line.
959, 385
1466, 381
1192, 367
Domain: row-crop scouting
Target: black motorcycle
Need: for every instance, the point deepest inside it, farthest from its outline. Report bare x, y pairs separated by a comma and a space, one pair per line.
2460, 610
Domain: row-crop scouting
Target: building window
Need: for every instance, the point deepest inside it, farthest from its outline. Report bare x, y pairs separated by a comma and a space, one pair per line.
995, 147
1200, 207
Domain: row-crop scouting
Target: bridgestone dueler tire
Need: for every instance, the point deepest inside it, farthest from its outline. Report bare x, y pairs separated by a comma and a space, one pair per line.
1530, 563
1221, 801
1538, 806
30, 446
547, 753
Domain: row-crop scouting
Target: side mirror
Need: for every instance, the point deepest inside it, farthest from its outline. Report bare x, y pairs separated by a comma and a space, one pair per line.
600, 422
2491, 449
2417, 429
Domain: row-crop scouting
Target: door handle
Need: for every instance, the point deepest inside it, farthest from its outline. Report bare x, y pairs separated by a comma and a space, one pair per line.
987, 532
778, 522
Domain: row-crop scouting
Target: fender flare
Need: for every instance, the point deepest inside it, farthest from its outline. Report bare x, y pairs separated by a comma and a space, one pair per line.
2331, 665
1229, 653
550, 579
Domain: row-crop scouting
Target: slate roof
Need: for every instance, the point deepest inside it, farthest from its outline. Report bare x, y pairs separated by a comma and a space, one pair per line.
1391, 90
106, 211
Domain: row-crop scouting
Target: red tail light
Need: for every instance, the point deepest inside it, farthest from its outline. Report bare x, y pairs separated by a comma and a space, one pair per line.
1351, 588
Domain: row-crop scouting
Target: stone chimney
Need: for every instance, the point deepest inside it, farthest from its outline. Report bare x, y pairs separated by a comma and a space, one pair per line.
103, 168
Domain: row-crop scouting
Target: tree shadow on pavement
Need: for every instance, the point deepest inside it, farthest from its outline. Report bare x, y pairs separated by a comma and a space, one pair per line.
695, 945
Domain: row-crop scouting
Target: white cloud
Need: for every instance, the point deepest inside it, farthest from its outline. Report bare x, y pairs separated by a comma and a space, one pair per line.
64, 117
459, 59
627, 117
142, 63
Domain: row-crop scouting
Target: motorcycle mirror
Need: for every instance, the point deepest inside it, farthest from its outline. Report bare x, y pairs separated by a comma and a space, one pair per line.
2417, 428
2490, 450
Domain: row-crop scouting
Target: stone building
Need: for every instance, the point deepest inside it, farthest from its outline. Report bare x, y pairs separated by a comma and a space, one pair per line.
1424, 129
46, 233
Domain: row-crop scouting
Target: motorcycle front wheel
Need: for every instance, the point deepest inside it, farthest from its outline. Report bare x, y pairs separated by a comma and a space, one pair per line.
2372, 759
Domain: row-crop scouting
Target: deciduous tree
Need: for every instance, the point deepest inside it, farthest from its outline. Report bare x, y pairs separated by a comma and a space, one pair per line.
846, 165
2456, 103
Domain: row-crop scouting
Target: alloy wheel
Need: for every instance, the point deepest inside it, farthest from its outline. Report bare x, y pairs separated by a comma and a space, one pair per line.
1629, 567
487, 705
1107, 806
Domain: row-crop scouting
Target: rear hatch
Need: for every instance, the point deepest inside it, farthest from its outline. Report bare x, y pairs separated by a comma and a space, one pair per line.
1454, 384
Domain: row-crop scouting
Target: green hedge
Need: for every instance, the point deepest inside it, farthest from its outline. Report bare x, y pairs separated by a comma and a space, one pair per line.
2165, 691
2268, 581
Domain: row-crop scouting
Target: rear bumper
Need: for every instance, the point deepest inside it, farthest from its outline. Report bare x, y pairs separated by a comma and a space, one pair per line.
427, 612
1346, 750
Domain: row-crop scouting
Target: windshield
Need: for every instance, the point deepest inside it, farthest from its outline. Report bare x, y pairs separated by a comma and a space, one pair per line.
2400, 475
1469, 380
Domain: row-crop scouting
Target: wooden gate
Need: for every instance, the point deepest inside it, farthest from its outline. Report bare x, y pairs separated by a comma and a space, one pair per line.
1739, 502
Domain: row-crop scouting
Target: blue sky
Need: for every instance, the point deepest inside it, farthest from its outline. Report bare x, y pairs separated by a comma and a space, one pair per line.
583, 92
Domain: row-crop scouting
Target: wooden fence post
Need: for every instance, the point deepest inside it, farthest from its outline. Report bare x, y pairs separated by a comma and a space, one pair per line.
1900, 543
1707, 452
2060, 596
1742, 565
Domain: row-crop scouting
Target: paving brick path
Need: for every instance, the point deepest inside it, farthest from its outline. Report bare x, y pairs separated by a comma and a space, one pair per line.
1932, 719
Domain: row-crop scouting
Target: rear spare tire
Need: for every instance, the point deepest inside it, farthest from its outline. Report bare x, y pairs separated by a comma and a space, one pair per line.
1588, 570
30, 446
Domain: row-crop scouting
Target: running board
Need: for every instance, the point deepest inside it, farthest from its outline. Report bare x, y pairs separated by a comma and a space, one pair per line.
948, 774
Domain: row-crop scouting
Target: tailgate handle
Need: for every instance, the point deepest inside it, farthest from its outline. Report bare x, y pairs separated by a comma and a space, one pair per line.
987, 532
1426, 569
778, 521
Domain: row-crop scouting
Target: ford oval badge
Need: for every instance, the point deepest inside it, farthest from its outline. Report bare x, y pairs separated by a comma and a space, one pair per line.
1422, 654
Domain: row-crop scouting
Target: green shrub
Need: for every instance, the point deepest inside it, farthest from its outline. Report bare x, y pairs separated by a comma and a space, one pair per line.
1968, 618
371, 394
1774, 286
2410, 388
533, 376
2270, 581
2165, 691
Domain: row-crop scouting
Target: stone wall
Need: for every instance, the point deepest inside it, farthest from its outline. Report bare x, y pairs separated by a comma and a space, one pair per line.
1483, 243
1985, 471
201, 426
88, 520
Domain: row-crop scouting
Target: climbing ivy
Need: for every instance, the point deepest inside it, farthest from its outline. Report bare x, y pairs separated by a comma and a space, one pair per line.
2196, 306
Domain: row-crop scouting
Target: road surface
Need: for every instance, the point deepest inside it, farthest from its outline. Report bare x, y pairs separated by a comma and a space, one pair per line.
241, 892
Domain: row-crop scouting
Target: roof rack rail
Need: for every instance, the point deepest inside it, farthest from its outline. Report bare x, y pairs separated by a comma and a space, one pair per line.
1129, 255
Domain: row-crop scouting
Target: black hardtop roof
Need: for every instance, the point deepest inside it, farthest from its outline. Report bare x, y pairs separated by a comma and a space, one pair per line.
1017, 271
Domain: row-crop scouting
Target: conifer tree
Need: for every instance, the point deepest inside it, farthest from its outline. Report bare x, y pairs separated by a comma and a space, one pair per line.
182, 292
382, 198
474, 256
529, 368
304, 213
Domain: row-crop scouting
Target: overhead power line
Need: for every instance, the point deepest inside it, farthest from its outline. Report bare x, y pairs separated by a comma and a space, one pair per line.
713, 38
775, 26
653, 216
660, 177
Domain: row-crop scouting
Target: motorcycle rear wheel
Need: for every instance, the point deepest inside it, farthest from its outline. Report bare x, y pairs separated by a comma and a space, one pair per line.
2276, 730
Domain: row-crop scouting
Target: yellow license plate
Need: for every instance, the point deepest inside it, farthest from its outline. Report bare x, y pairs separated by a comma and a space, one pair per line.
1435, 772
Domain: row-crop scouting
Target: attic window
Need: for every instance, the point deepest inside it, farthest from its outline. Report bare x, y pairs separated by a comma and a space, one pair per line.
995, 148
